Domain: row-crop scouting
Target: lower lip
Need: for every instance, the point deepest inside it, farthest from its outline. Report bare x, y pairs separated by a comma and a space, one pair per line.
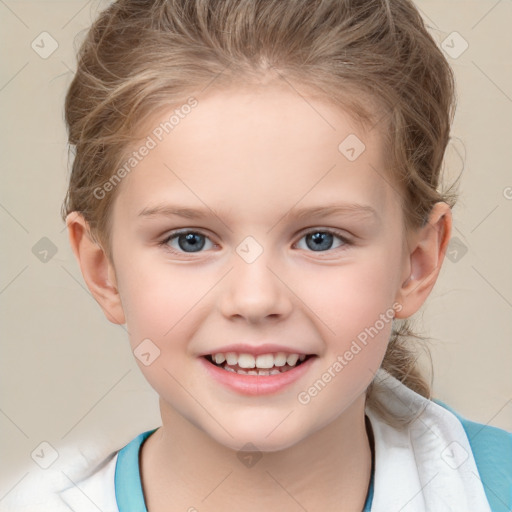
256, 384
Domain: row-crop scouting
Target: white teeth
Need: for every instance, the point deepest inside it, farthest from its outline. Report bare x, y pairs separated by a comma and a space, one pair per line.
274, 371
292, 359
246, 361
262, 361
253, 372
219, 358
231, 358
280, 359
265, 361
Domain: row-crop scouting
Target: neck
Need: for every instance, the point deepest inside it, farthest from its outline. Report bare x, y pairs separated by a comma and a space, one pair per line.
329, 470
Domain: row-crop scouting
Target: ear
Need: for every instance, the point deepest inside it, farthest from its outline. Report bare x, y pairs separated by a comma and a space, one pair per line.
97, 270
425, 255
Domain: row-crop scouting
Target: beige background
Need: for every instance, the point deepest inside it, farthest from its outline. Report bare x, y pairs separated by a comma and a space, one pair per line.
68, 376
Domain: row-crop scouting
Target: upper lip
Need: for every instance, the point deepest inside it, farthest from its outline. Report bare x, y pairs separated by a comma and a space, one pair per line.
266, 348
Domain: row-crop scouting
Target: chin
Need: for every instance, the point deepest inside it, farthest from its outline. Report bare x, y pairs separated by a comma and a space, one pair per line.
256, 436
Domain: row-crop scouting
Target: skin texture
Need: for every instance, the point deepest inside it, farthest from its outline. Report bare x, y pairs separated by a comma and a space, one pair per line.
251, 155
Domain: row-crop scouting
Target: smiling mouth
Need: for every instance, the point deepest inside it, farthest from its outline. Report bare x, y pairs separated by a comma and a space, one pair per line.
276, 369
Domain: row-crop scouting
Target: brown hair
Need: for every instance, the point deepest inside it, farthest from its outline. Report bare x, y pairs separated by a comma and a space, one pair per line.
141, 56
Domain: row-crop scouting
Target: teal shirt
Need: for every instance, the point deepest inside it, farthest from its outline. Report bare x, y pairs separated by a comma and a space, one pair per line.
492, 450
128, 485
491, 446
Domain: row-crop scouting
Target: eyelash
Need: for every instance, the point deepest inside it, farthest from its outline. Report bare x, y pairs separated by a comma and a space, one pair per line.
175, 234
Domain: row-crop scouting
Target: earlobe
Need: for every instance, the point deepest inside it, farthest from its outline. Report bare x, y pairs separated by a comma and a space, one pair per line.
97, 270
426, 255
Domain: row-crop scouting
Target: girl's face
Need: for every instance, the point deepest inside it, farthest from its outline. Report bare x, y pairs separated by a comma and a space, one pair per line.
260, 224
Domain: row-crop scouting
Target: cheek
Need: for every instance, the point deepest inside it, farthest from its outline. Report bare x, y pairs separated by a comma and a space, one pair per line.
150, 299
161, 302
355, 317
348, 298
353, 306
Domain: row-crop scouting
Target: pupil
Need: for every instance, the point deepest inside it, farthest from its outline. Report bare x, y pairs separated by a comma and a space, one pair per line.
190, 238
319, 240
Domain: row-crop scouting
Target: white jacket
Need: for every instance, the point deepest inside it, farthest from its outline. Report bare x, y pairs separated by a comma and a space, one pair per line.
428, 466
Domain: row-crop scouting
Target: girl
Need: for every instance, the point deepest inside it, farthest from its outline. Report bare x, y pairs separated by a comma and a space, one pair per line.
255, 194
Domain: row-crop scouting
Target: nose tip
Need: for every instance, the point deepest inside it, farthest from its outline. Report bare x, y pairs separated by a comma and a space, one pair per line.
255, 292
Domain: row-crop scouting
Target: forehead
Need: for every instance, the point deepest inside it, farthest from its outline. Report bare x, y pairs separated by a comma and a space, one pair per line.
256, 149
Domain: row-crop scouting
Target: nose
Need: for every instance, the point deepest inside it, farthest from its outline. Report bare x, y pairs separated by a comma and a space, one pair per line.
255, 291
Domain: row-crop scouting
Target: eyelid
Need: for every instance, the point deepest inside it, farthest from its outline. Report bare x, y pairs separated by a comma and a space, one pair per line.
335, 231
182, 231
347, 240
171, 235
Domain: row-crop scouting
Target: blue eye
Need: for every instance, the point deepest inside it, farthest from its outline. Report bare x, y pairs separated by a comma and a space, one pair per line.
322, 240
188, 241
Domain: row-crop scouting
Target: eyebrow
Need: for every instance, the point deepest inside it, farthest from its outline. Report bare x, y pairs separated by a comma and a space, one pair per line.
348, 209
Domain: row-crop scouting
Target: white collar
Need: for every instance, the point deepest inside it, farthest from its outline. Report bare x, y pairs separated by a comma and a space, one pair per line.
428, 466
